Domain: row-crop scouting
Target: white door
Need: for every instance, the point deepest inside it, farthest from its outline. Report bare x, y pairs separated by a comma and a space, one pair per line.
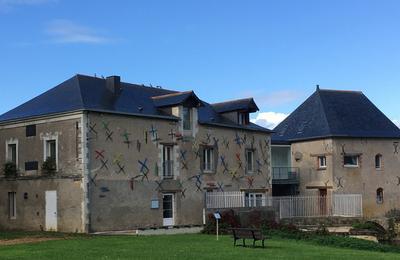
168, 210
51, 210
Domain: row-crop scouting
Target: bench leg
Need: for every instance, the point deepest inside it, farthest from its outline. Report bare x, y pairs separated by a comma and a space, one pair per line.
244, 242
234, 242
263, 243
254, 243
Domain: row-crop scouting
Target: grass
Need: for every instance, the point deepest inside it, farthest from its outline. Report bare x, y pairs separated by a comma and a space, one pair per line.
174, 247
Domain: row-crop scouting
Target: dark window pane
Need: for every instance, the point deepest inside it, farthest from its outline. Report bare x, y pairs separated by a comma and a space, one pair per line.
30, 130
31, 166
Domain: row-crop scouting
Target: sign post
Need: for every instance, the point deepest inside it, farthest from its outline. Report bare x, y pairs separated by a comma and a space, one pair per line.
217, 217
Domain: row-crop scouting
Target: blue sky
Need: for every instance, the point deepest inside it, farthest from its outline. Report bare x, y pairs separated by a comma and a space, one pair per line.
276, 51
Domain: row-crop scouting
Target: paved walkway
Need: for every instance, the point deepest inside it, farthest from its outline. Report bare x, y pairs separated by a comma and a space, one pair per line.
147, 232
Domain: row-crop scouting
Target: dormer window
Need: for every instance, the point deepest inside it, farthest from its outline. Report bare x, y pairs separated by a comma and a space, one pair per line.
187, 118
243, 118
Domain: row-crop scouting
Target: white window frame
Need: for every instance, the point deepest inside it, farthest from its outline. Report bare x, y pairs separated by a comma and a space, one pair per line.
251, 163
251, 199
322, 162
11, 142
208, 166
352, 165
45, 148
170, 148
12, 205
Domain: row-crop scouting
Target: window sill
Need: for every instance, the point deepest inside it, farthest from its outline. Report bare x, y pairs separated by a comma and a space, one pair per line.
321, 169
208, 172
351, 166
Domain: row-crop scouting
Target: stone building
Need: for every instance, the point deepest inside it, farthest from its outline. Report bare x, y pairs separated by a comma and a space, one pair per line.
338, 142
96, 154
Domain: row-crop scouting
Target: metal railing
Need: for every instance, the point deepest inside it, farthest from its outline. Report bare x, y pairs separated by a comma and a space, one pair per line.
168, 169
343, 205
285, 173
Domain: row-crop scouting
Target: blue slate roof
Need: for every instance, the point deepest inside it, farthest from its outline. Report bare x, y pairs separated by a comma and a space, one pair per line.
333, 113
86, 93
246, 104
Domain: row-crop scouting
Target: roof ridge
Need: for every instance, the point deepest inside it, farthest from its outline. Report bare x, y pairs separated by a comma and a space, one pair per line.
233, 100
323, 110
173, 94
341, 90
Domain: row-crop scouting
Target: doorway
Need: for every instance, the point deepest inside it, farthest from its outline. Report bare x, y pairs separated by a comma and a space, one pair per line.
51, 210
323, 202
168, 209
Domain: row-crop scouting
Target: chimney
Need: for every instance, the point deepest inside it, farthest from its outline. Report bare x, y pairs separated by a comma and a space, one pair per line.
113, 84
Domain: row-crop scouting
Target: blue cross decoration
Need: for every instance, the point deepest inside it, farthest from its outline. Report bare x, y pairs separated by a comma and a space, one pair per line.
153, 131
182, 154
225, 142
121, 168
198, 181
93, 179
220, 186
259, 165
224, 164
238, 140
104, 189
104, 164
144, 170
216, 140
92, 129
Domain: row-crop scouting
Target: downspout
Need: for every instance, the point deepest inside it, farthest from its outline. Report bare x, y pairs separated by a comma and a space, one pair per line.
86, 173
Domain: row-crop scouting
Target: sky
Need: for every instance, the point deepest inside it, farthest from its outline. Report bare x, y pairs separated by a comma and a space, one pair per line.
274, 51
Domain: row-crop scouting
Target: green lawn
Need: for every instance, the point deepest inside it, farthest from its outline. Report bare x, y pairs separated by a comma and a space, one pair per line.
175, 247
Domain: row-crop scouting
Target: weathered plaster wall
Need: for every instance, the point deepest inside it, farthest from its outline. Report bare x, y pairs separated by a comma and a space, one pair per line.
367, 179
67, 181
121, 199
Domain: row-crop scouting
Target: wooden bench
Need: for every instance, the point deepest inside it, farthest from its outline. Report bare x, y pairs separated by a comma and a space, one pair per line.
247, 233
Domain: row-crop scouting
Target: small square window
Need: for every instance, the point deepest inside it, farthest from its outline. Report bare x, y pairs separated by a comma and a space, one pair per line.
351, 160
322, 162
30, 130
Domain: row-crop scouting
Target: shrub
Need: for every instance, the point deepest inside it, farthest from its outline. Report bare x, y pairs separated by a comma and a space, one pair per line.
10, 170
49, 167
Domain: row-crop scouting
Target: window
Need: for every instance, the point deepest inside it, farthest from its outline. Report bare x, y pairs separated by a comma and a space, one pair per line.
12, 153
378, 161
351, 160
12, 201
168, 163
187, 118
30, 130
254, 199
249, 161
208, 159
322, 162
379, 196
50, 151
243, 118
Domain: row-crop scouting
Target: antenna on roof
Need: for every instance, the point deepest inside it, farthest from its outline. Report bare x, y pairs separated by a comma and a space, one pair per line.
317, 87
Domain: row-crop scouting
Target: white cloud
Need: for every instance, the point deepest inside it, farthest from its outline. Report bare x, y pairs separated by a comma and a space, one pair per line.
66, 31
269, 119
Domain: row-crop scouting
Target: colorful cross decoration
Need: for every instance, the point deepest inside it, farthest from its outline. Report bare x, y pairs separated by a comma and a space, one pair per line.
104, 164
126, 135
118, 158
339, 182
106, 126
234, 173
220, 186
238, 140
198, 181
99, 154
244, 139
92, 129
121, 168
225, 142
224, 164
216, 140
159, 185
250, 181
153, 132
239, 161
144, 170
109, 136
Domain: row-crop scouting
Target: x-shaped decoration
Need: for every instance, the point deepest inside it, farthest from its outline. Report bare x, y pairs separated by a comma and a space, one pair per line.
93, 180
259, 165
121, 168
234, 173
159, 185
224, 164
143, 168
239, 161
220, 186
92, 129
109, 136
244, 139
153, 131
238, 140
118, 158
216, 140
104, 164
266, 143
339, 182
225, 142
182, 154
99, 154
184, 165
198, 181
250, 181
